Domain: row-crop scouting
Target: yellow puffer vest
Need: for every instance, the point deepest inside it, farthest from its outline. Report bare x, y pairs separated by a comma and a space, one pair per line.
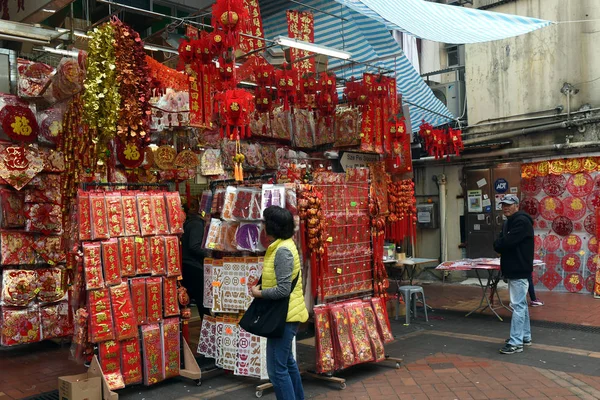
297, 311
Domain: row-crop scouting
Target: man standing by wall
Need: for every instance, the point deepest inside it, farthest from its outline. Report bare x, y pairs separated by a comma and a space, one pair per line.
515, 245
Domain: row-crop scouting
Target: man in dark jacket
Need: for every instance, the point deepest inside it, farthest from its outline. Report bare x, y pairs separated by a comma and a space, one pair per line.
193, 254
515, 245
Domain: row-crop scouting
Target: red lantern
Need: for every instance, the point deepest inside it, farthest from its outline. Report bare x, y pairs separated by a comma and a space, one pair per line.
286, 83
456, 141
235, 107
227, 76
232, 17
186, 54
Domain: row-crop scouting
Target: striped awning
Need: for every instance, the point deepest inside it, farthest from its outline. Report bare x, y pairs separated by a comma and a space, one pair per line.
444, 23
368, 41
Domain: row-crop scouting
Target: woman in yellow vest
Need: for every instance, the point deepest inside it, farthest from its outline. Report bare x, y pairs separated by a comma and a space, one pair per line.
281, 267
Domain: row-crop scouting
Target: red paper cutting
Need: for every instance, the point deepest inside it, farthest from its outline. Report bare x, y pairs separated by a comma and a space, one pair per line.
551, 207
555, 185
573, 283
571, 263
571, 243
580, 184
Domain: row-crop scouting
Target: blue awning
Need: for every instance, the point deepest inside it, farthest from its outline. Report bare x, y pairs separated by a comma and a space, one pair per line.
444, 23
367, 40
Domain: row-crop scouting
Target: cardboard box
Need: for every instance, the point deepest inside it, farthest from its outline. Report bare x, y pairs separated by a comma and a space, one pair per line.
79, 387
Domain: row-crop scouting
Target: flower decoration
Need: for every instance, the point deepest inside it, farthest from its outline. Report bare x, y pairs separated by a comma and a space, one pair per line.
133, 79
101, 99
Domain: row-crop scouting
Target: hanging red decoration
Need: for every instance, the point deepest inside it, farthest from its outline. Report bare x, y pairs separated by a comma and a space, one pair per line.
441, 142
230, 16
130, 153
286, 82
19, 123
235, 108
355, 93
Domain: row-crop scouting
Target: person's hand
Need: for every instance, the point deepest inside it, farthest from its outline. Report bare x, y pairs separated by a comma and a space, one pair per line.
255, 291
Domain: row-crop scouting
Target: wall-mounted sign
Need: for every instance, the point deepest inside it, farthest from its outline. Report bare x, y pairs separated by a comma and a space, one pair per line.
501, 185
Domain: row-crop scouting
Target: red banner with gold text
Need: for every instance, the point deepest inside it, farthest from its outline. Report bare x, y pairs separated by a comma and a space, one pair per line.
301, 26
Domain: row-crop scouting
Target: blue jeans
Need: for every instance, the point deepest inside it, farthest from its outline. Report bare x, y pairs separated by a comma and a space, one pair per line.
281, 366
520, 327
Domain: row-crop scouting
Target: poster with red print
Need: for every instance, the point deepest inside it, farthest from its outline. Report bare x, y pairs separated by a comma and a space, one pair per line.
563, 204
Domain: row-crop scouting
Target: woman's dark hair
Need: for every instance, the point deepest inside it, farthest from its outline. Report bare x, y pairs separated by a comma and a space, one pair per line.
279, 222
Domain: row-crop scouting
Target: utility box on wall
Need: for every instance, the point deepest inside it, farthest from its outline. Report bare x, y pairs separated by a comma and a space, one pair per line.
427, 216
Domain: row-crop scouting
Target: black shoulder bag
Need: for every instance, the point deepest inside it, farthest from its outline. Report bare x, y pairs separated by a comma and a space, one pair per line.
267, 317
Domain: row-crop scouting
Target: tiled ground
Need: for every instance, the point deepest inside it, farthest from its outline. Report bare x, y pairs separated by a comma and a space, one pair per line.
571, 308
31, 370
447, 376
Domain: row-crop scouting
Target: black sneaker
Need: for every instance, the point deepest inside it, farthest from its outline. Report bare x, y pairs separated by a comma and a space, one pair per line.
525, 342
510, 349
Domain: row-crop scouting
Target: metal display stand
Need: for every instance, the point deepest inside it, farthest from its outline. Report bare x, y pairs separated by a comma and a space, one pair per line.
491, 285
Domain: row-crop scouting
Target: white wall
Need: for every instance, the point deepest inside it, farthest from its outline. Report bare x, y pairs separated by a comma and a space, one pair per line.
428, 240
525, 74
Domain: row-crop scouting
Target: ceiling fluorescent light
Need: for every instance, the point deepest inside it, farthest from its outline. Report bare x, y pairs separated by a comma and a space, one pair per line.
315, 48
62, 52
153, 47
22, 39
48, 11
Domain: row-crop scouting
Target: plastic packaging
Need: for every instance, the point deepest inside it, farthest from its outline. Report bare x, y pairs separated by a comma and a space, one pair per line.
152, 354
20, 325
131, 362
358, 332
175, 213
160, 213
171, 343
154, 298
114, 207
83, 216
158, 255
247, 237
128, 257
92, 265
130, 213
229, 204
324, 342
173, 256
138, 296
124, 315
98, 216
344, 350
110, 363
12, 205
146, 214
111, 262
171, 305
56, 320
18, 287
142, 256
101, 326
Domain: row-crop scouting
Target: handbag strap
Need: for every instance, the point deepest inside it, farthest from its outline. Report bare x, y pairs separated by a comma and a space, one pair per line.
293, 282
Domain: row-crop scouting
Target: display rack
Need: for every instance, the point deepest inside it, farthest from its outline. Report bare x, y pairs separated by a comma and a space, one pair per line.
170, 229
